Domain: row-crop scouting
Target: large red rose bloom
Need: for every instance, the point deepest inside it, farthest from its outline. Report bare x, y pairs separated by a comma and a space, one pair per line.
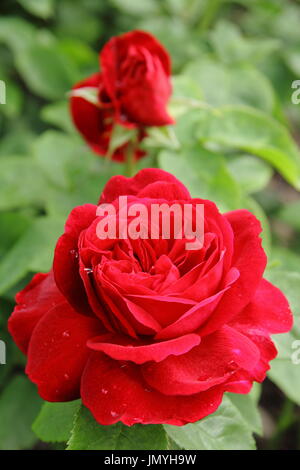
143, 330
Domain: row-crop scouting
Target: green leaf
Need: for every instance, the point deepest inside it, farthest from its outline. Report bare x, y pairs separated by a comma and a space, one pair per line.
55, 421
47, 71
56, 154
120, 136
13, 225
252, 131
232, 84
42, 8
87, 434
76, 174
58, 115
285, 259
205, 174
88, 93
290, 214
19, 405
21, 183
232, 47
225, 429
248, 410
161, 137
16, 33
32, 252
186, 95
146, 7
284, 372
251, 173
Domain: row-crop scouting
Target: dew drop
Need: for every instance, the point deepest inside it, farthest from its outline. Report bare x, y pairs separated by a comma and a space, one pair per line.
114, 414
66, 334
66, 377
236, 351
104, 391
74, 253
88, 270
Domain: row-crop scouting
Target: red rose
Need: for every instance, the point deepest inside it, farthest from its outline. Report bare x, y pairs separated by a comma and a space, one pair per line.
143, 330
132, 89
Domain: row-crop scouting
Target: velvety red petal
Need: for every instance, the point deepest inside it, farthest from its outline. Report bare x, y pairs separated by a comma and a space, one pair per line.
115, 391
212, 362
122, 349
58, 353
33, 302
268, 310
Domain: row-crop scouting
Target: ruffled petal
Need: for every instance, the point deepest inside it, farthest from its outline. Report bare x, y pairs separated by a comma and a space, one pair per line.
211, 363
250, 260
122, 186
122, 349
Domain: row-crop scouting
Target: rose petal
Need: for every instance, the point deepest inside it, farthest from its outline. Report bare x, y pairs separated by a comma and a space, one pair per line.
58, 353
115, 391
122, 186
246, 241
268, 310
66, 257
213, 362
121, 349
33, 302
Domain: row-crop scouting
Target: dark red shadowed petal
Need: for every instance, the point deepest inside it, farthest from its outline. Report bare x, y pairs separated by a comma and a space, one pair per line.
89, 118
33, 302
250, 260
66, 257
58, 353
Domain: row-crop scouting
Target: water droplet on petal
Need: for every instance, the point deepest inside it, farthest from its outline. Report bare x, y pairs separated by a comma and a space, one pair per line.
114, 414
88, 270
66, 334
104, 391
74, 253
236, 351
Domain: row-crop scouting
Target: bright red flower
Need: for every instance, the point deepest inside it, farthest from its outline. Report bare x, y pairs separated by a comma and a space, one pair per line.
145, 331
132, 90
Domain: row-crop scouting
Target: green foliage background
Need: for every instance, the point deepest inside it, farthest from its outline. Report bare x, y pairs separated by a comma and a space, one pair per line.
235, 142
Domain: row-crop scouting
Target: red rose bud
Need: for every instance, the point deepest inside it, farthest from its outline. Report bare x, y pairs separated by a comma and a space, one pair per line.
132, 90
144, 330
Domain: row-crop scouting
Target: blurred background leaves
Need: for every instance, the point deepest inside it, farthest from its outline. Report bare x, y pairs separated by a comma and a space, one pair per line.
235, 142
